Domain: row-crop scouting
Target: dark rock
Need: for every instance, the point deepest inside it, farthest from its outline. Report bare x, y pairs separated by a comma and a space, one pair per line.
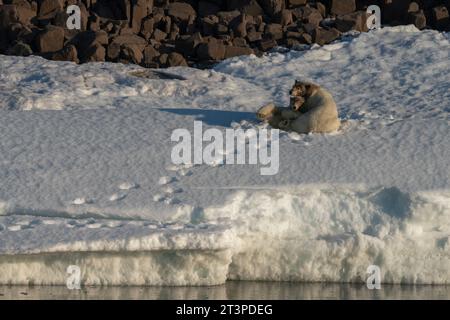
51, 39
187, 45
394, 11
19, 49
267, 44
295, 3
254, 36
272, 7
352, 21
307, 15
8, 15
440, 17
228, 17
274, 31
208, 25
418, 19
206, 8
250, 7
323, 36
212, 50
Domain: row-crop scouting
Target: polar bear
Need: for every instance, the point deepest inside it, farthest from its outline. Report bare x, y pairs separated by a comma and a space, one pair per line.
312, 109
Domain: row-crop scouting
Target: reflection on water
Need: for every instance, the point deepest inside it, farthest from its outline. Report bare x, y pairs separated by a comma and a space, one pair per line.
232, 290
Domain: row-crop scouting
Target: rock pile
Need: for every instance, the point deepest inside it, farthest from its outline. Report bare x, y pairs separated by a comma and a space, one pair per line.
163, 33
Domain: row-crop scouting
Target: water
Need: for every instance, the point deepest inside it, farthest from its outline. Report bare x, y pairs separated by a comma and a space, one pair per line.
246, 290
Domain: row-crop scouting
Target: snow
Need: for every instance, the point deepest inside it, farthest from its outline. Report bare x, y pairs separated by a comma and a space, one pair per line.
86, 176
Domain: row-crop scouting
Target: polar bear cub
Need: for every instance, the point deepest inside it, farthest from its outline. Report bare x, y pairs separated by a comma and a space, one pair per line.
312, 109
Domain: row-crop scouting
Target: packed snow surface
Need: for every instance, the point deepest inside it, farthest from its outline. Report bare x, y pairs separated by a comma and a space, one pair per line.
86, 176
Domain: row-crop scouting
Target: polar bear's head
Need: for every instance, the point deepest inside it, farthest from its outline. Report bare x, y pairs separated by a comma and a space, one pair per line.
303, 89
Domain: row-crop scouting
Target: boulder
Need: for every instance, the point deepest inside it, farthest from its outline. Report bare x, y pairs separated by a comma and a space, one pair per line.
274, 31
323, 36
8, 15
212, 50
175, 60
50, 7
249, 7
341, 7
352, 21
51, 39
234, 51
181, 11
68, 53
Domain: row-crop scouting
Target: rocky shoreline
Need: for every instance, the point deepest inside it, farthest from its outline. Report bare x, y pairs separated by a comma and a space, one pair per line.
162, 33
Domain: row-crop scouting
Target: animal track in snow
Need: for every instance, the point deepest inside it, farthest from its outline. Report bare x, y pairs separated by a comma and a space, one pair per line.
82, 200
117, 197
171, 190
165, 180
158, 197
15, 228
128, 186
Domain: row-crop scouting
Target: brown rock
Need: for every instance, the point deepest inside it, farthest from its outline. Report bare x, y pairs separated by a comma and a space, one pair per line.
254, 36
148, 26
233, 51
175, 60
132, 52
323, 36
140, 9
341, 7
286, 17
96, 52
150, 55
51, 39
181, 11
50, 7
68, 53
159, 35
25, 11
131, 44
